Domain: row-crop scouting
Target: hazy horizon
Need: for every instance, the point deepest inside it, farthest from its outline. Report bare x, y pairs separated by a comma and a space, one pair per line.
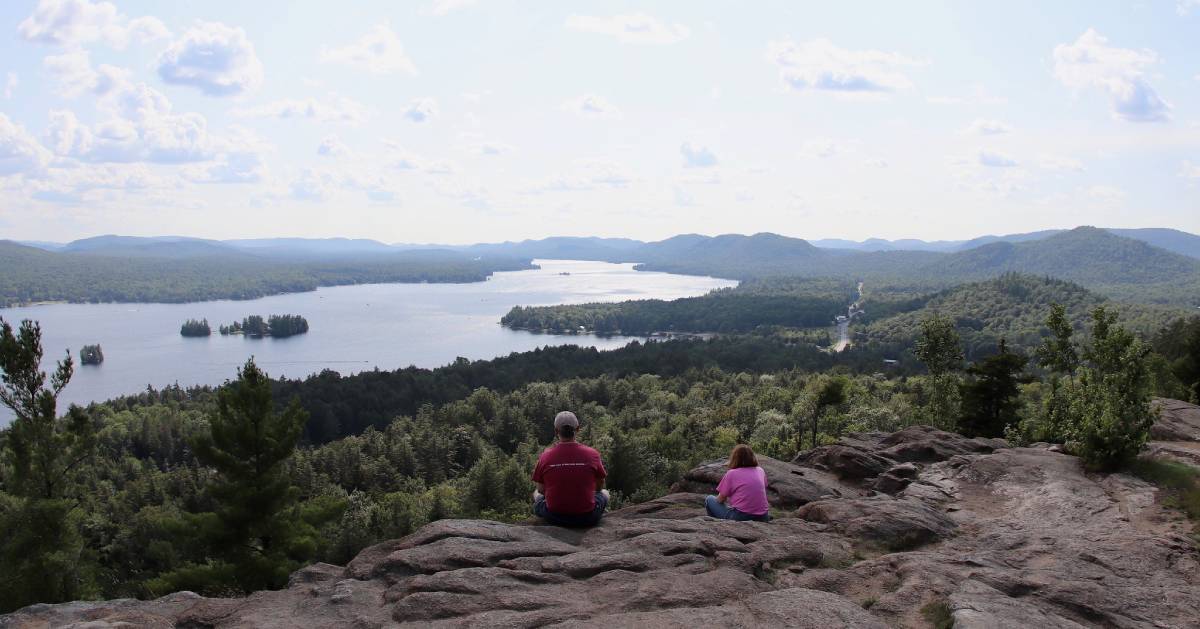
466, 121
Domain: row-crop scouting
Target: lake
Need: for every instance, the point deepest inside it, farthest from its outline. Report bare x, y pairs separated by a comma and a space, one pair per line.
351, 328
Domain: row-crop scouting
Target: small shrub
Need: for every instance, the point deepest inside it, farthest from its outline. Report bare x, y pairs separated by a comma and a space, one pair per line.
938, 614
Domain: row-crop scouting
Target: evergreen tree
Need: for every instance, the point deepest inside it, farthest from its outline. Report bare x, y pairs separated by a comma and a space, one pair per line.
939, 346
40, 545
1057, 352
990, 396
259, 533
940, 349
832, 392
1111, 407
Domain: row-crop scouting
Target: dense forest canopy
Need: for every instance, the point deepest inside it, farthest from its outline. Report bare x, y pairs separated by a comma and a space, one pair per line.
381, 453
32, 275
194, 328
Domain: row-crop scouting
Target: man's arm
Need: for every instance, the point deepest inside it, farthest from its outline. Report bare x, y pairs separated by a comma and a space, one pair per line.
541, 488
599, 483
721, 498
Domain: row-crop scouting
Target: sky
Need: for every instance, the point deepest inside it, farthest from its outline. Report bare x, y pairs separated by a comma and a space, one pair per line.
459, 121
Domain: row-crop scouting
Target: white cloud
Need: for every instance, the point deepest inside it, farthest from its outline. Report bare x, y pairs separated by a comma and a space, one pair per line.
238, 167
1091, 63
378, 51
683, 198
987, 127
1183, 7
332, 146
491, 149
401, 159
995, 160
442, 7
421, 110
697, 156
440, 167
78, 22
335, 108
826, 147
1106, 194
592, 106
75, 75
10, 85
876, 162
978, 96
1059, 163
586, 175
217, 59
631, 28
311, 185
1188, 170
92, 184
820, 65
140, 126
20, 153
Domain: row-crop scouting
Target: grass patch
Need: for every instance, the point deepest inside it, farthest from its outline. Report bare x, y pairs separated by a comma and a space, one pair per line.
938, 614
1180, 482
868, 603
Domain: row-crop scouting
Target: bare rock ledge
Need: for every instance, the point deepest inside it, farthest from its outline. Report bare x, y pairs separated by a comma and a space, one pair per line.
1003, 537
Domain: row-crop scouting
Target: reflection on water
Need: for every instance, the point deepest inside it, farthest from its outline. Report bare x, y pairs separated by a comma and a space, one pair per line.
352, 328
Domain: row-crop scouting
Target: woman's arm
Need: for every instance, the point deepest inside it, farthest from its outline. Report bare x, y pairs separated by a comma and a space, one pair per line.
721, 498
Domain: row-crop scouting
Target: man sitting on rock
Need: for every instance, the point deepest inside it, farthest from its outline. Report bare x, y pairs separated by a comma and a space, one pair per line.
569, 478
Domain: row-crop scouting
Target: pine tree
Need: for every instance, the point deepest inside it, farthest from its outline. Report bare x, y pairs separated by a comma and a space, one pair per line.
259, 533
939, 346
940, 349
1057, 352
40, 545
991, 393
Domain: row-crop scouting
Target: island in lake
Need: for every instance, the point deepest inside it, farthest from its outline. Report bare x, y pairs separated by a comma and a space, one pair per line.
194, 328
91, 355
278, 326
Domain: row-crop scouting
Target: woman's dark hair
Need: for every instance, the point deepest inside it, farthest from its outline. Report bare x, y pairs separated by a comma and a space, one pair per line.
566, 432
742, 456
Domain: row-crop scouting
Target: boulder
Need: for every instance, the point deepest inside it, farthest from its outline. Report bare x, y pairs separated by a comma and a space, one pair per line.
925, 444
882, 521
844, 461
896, 478
1177, 421
788, 485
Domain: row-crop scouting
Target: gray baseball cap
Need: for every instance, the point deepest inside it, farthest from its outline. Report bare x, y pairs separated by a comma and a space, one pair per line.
566, 418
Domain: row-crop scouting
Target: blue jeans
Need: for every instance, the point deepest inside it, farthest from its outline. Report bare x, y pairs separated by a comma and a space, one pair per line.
718, 510
573, 520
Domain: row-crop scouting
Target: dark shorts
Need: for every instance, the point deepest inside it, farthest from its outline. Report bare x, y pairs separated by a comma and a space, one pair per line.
573, 520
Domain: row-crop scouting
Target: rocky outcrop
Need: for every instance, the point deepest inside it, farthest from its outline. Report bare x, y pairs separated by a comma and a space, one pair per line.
788, 485
995, 536
1177, 421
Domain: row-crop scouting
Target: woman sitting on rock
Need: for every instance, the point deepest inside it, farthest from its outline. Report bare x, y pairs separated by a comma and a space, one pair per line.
742, 492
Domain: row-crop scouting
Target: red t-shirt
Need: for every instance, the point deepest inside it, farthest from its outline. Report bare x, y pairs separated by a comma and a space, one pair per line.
569, 471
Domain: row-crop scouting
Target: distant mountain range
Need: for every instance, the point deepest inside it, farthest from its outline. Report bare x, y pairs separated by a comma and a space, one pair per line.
1169, 239
1148, 265
569, 247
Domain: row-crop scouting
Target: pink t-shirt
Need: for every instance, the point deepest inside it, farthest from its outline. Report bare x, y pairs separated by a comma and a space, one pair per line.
746, 488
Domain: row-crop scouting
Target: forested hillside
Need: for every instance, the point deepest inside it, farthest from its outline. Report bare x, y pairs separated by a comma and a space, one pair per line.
796, 303
178, 272
389, 451
1012, 307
